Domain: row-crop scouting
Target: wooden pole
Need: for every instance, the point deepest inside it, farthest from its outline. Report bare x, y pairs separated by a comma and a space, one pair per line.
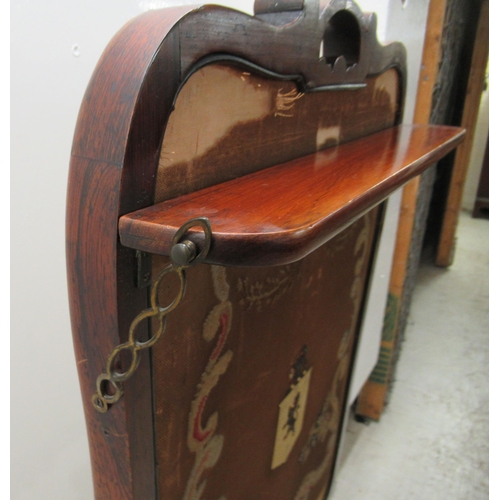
475, 85
372, 398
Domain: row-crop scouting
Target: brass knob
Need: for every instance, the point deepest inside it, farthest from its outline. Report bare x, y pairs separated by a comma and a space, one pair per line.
183, 253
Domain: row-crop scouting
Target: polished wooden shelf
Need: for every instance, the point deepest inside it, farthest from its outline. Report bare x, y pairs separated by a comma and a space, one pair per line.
280, 214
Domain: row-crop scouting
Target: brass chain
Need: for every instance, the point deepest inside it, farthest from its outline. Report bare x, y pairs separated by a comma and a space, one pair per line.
102, 398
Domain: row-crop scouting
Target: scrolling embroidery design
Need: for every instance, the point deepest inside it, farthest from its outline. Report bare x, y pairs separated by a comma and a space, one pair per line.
202, 440
326, 424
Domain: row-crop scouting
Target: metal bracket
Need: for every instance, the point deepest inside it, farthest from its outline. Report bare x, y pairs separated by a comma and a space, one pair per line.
183, 254
142, 269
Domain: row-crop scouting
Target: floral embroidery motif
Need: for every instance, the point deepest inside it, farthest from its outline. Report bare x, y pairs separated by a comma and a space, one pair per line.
202, 440
267, 292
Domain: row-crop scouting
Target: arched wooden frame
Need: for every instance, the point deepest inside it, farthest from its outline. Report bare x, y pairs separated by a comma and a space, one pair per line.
113, 167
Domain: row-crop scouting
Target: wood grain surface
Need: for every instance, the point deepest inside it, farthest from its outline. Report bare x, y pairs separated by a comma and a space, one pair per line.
279, 215
109, 174
114, 163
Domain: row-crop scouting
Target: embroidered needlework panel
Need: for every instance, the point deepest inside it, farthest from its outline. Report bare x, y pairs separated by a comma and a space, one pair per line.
250, 377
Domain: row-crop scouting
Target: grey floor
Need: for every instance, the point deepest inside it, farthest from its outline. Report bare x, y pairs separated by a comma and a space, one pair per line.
432, 440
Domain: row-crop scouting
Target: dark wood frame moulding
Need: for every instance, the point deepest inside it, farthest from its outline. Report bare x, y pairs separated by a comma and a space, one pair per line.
114, 160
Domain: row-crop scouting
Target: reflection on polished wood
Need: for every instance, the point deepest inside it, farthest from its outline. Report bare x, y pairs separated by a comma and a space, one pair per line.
281, 214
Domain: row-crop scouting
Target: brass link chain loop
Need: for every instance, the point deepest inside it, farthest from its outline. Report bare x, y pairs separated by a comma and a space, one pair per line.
102, 399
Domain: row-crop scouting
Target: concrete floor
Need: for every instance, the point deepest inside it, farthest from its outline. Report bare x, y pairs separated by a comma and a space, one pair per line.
432, 440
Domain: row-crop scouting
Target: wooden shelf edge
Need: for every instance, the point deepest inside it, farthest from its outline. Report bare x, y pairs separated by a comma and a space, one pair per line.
280, 214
